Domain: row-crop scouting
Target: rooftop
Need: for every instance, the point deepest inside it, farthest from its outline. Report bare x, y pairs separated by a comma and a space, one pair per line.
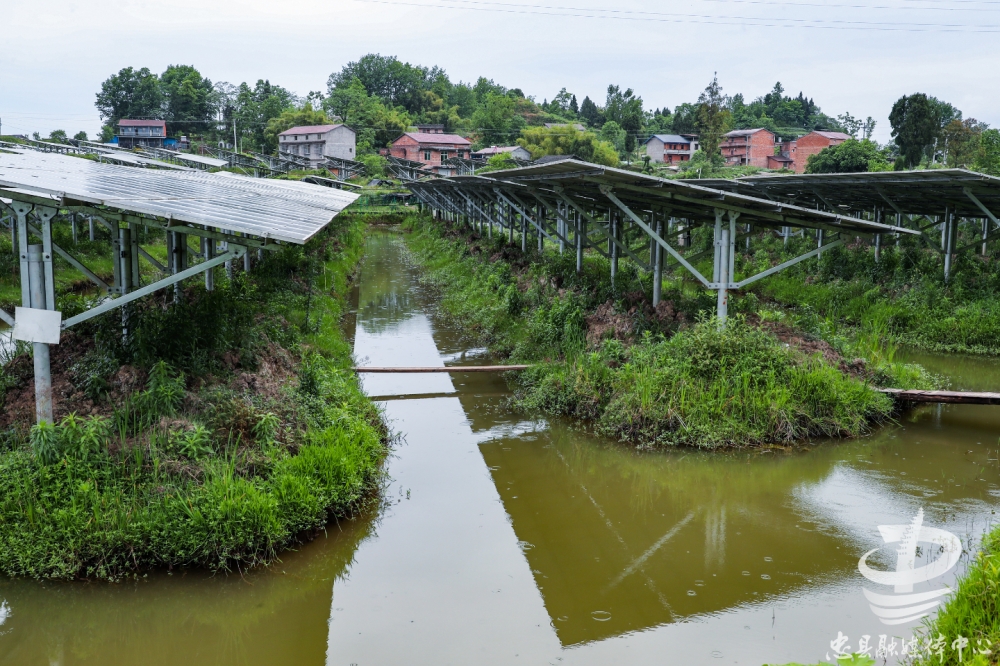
746, 132
670, 138
309, 129
125, 122
833, 135
428, 137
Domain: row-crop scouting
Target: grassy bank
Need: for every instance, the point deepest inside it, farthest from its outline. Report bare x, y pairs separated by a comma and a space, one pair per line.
905, 290
226, 428
654, 377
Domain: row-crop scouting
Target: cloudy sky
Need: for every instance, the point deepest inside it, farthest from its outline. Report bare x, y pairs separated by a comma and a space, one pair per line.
849, 55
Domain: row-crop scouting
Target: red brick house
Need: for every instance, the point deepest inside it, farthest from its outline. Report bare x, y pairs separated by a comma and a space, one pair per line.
750, 147
431, 148
812, 144
780, 161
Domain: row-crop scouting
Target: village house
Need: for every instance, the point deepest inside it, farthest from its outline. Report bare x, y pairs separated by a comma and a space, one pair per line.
812, 144
144, 133
318, 142
517, 152
748, 147
430, 147
671, 148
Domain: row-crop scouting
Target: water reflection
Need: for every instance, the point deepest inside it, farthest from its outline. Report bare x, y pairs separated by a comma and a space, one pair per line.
508, 538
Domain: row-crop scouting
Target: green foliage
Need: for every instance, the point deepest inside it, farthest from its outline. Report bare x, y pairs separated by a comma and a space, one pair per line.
915, 123
613, 133
973, 611
708, 387
568, 140
375, 124
848, 157
496, 122
213, 476
130, 93
375, 165
714, 120
290, 118
703, 386
988, 157
188, 99
625, 109
250, 109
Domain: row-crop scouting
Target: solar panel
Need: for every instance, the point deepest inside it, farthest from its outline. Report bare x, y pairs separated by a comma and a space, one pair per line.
288, 211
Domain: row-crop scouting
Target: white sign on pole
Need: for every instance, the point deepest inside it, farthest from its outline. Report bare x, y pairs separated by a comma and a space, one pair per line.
34, 325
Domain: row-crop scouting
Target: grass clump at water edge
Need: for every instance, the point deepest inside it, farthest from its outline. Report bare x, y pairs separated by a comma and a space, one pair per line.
239, 441
669, 376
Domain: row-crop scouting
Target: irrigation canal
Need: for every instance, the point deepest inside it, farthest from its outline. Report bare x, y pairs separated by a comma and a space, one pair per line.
505, 540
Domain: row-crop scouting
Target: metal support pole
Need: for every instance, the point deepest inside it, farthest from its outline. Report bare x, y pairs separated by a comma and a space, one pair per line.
133, 251
46, 215
43, 370
716, 265
612, 246
878, 247
722, 263
208, 251
986, 231
949, 243
72, 222
124, 261
524, 235
90, 221
541, 222
581, 232
657, 265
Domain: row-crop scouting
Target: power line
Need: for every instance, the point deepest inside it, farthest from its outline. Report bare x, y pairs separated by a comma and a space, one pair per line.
622, 15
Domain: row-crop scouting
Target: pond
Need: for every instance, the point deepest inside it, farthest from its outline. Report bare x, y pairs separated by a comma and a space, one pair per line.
506, 539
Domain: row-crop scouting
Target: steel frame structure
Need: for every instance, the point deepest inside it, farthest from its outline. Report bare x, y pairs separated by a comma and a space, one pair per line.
229, 214
944, 199
618, 213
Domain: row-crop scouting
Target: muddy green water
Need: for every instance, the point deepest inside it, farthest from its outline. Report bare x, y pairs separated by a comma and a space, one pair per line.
511, 540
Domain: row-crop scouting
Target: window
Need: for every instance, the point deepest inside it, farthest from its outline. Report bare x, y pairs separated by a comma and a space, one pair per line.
444, 155
305, 149
427, 156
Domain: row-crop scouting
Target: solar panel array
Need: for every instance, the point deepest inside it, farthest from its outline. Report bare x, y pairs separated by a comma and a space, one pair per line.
288, 211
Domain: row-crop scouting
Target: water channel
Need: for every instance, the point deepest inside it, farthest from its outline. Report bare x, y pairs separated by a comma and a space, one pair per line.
506, 539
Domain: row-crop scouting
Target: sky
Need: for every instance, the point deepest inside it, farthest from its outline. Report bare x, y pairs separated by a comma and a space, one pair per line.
857, 56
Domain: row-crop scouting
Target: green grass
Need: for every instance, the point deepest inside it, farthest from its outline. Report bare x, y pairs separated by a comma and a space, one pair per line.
972, 612
249, 435
656, 381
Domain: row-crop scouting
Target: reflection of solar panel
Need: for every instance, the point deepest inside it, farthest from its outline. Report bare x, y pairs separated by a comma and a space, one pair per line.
199, 159
283, 210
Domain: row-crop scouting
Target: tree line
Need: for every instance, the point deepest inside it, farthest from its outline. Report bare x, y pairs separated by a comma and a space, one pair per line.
381, 97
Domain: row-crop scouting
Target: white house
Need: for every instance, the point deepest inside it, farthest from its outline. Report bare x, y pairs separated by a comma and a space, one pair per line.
318, 142
671, 148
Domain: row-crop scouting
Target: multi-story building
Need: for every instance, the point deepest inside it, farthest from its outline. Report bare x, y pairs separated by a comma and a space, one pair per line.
748, 147
812, 144
671, 148
431, 148
318, 142
145, 133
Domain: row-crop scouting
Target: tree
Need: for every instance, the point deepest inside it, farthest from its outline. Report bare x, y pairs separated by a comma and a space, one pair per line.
57, 136
80, 136
187, 99
130, 94
850, 124
395, 83
541, 141
290, 118
988, 157
915, 124
685, 119
614, 134
625, 109
252, 108
851, 156
960, 139
494, 121
374, 124
714, 118
590, 113
574, 107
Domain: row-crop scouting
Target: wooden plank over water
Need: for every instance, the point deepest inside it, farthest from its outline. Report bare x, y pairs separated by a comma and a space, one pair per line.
957, 397
451, 368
